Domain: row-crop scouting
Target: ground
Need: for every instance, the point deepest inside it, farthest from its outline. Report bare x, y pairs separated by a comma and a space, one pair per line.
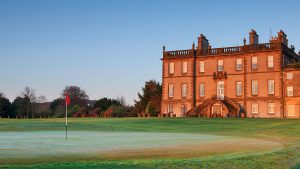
150, 143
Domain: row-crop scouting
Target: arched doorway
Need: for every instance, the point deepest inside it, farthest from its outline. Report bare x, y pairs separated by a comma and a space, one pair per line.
216, 107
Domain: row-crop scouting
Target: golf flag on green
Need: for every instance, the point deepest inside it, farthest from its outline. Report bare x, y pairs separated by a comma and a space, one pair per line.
68, 101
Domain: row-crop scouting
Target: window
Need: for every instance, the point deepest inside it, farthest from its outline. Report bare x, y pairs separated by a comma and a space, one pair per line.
254, 63
184, 67
202, 90
289, 76
170, 108
271, 108
238, 65
220, 65
183, 109
171, 68
239, 88
291, 110
171, 90
202, 65
220, 90
184, 90
270, 62
254, 87
290, 91
271, 87
254, 108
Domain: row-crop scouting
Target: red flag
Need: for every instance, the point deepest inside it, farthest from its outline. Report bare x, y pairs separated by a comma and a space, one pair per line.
68, 100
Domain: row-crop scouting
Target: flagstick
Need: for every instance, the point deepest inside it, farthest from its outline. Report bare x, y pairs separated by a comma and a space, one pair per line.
66, 121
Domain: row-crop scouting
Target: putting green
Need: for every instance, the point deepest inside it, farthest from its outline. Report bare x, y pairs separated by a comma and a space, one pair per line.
39, 145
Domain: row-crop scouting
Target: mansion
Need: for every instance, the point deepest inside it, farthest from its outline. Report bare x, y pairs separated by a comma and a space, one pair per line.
257, 80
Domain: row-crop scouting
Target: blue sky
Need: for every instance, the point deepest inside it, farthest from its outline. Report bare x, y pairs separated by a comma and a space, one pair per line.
111, 47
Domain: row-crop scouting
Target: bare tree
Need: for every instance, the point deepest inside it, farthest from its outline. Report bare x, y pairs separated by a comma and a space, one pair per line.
30, 94
41, 99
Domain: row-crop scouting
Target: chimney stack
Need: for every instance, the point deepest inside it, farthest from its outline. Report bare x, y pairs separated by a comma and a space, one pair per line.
202, 42
282, 37
253, 37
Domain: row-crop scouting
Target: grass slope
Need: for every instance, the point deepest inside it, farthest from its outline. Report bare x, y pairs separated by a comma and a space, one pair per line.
284, 131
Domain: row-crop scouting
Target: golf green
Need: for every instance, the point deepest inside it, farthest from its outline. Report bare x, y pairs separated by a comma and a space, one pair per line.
121, 145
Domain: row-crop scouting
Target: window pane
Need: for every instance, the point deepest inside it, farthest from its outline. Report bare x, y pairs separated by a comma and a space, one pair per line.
170, 108
184, 90
171, 90
290, 91
171, 68
271, 87
289, 75
254, 87
254, 108
239, 88
254, 62
270, 62
202, 66
220, 65
271, 108
184, 67
202, 90
239, 64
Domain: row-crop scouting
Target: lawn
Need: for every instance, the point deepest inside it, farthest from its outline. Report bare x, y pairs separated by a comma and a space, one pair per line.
150, 143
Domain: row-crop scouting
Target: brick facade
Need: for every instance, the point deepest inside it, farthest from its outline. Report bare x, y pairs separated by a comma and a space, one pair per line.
214, 74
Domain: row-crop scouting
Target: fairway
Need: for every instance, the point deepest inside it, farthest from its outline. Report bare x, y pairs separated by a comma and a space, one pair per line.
146, 143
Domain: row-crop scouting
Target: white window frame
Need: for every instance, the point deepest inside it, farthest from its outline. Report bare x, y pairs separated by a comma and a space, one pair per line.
254, 108
290, 91
254, 64
271, 87
239, 65
291, 110
183, 90
271, 108
202, 90
170, 108
289, 75
202, 67
171, 90
239, 88
220, 65
184, 67
270, 62
171, 68
254, 87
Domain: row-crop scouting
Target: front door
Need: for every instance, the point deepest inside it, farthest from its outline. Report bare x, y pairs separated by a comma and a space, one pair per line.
216, 110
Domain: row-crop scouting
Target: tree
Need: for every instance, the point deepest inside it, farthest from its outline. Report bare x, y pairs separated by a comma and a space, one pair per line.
55, 103
22, 106
29, 94
26, 104
105, 103
150, 98
6, 109
77, 95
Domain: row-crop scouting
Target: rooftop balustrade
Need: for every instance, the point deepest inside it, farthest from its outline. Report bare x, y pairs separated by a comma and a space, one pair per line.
231, 50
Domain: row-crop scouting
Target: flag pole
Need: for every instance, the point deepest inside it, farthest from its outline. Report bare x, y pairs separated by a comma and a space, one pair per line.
66, 121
